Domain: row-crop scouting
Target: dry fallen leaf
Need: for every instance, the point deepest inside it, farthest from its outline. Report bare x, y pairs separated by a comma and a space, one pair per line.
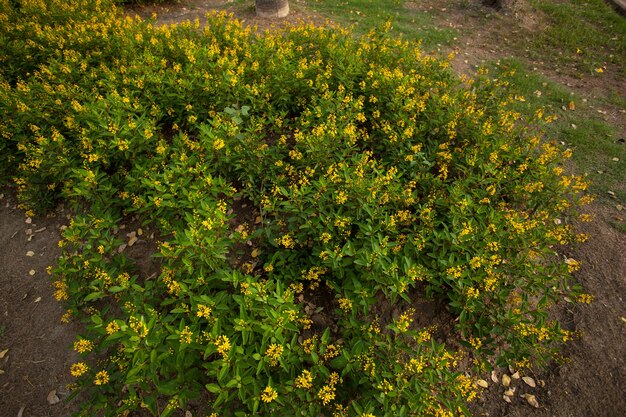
38, 299
21, 412
507, 399
532, 400
188, 414
572, 106
506, 380
132, 238
31, 272
616, 159
53, 398
494, 376
258, 220
30, 253
482, 383
139, 231
510, 392
28, 220
4, 352
529, 381
515, 375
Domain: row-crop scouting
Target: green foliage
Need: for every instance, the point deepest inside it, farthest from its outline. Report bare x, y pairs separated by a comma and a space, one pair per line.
298, 185
578, 126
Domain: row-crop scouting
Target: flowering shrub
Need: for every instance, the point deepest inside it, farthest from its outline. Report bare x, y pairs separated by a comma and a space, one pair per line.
296, 183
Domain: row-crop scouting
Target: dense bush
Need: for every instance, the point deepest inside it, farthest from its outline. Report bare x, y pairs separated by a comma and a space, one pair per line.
304, 189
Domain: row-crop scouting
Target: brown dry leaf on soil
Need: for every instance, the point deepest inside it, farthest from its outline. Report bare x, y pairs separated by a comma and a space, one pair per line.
482, 383
529, 381
53, 398
4, 352
494, 377
506, 380
532, 400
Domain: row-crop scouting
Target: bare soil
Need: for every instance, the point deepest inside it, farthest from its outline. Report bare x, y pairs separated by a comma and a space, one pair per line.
590, 382
39, 345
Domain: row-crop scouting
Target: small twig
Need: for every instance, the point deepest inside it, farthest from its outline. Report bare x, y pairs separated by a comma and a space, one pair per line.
28, 380
41, 361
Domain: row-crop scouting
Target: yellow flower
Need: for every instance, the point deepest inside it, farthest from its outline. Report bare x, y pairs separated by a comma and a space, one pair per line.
223, 346
185, 335
203, 311
286, 241
101, 378
112, 327
138, 326
305, 380
331, 352
269, 394
273, 353
218, 144
326, 394
83, 345
345, 304
78, 369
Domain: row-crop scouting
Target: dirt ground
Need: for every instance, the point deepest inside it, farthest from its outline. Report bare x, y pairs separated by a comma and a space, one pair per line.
36, 365
35, 347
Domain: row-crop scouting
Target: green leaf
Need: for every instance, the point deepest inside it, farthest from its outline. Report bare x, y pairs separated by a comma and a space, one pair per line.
214, 388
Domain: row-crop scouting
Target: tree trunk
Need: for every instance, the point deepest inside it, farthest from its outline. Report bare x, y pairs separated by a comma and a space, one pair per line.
272, 8
499, 4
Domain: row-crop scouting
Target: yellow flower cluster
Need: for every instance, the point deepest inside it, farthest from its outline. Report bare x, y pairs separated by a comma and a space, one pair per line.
83, 346
185, 335
223, 346
101, 378
404, 321
269, 394
327, 393
138, 326
112, 328
304, 381
61, 290
203, 311
273, 353
79, 369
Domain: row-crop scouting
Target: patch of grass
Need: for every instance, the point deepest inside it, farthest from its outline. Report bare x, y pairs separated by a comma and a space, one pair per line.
577, 127
367, 14
619, 226
586, 33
